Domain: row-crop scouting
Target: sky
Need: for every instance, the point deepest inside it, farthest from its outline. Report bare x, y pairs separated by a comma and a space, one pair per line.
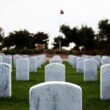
44, 15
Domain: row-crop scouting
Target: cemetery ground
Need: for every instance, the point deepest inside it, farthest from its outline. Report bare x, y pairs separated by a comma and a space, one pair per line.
20, 90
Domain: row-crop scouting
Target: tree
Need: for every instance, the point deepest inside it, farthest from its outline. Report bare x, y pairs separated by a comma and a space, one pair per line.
87, 38
20, 39
1, 37
81, 37
104, 29
7, 42
1, 34
71, 35
104, 35
59, 42
41, 38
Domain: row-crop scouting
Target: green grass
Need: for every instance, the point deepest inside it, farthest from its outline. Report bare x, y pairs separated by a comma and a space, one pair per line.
20, 91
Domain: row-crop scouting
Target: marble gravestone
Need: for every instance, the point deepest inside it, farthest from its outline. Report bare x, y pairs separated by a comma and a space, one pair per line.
69, 58
80, 65
24, 56
7, 59
5, 80
15, 57
84, 57
55, 95
105, 60
44, 58
105, 82
90, 70
1, 59
32, 64
56, 59
22, 69
98, 58
38, 61
55, 72
73, 61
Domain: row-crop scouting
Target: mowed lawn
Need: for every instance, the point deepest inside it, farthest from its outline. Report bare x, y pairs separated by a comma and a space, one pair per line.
20, 91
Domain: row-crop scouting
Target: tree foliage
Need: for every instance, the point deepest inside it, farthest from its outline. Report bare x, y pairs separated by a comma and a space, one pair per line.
81, 37
19, 39
59, 41
104, 35
1, 34
41, 38
23, 39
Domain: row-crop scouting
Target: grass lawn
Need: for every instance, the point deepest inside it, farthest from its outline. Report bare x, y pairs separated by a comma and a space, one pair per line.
20, 91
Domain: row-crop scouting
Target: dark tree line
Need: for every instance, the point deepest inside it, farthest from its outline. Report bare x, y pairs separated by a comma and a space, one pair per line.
85, 37
23, 39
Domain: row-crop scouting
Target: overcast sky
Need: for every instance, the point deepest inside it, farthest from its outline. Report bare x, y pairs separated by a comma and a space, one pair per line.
43, 15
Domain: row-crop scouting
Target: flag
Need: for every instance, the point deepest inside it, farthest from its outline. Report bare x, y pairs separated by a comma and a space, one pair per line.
61, 12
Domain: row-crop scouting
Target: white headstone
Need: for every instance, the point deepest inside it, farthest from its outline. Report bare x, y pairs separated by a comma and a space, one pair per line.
1, 59
24, 56
38, 61
22, 69
86, 57
7, 59
105, 82
90, 70
69, 58
32, 64
56, 59
55, 96
15, 57
5, 80
105, 60
43, 58
80, 65
73, 61
98, 58
55, 72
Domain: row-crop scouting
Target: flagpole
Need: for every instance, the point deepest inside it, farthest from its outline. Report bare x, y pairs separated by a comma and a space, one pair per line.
59, 42
61, 13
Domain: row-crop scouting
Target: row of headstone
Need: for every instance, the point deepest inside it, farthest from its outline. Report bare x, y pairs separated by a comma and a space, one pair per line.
90, 72
85, 64
40, 59
72, 59
55, 93
26, 65
22, 71
9, 59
